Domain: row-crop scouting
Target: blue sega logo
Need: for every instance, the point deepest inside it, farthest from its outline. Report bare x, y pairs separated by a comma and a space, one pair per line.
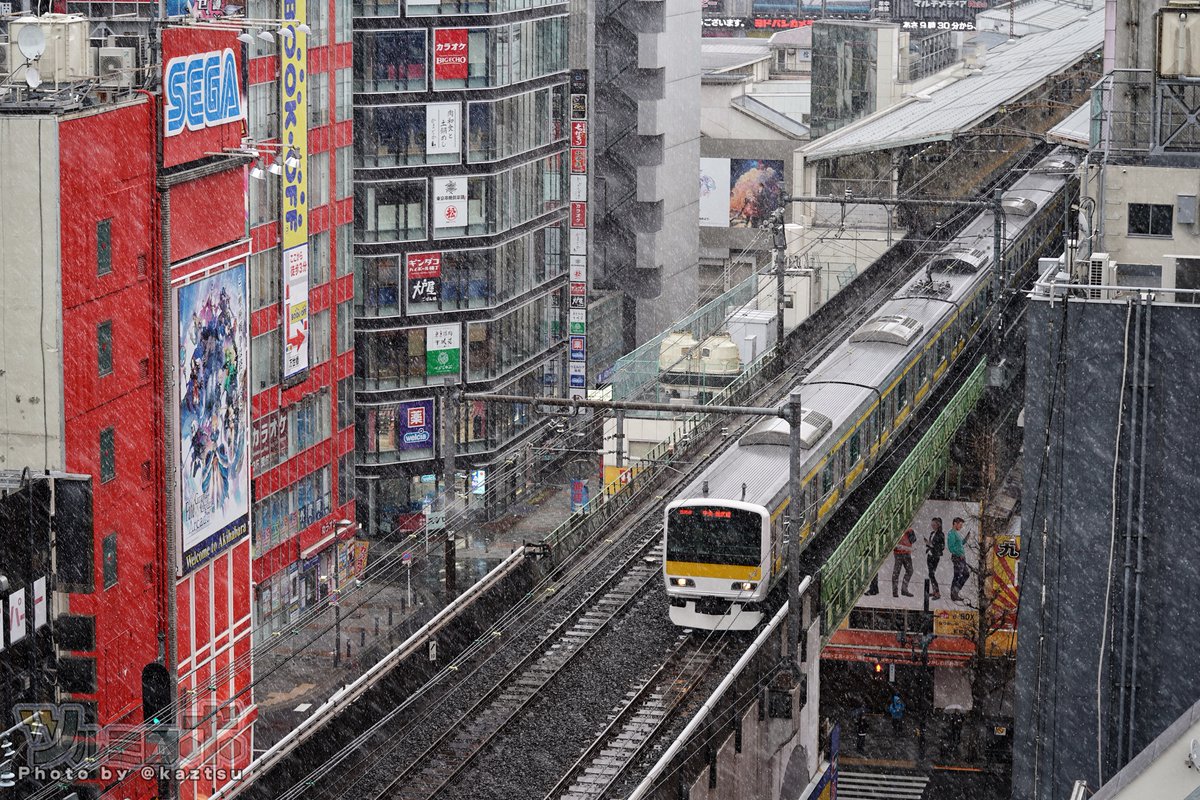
201, 91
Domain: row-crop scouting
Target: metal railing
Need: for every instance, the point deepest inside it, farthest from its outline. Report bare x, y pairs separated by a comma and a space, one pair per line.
846, 573
635, 375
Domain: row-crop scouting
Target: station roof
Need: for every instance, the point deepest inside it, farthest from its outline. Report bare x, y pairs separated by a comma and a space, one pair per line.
1011, 70
717, 55
1034, 15
1075, 130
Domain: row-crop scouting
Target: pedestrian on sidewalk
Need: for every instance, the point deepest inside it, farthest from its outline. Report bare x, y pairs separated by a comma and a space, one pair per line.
860, 726
896, 709
903, 555
956, 543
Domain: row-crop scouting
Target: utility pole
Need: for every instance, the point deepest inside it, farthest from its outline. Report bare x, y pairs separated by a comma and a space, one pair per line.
779, 252
795, 524
619, 415
449, 398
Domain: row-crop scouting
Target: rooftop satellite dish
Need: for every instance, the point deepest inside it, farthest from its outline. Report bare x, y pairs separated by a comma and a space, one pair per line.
33, 78
31, 42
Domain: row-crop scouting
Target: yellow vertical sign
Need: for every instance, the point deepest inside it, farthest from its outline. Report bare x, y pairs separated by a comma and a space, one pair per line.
293, 129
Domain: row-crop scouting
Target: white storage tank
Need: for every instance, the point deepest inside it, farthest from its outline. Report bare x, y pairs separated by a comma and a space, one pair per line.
676, 348
718, 356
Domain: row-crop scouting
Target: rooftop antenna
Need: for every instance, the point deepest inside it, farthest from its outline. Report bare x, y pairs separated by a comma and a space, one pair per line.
31, 42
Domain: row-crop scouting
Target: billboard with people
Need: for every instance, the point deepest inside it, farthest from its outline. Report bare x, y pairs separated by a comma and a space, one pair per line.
940, 543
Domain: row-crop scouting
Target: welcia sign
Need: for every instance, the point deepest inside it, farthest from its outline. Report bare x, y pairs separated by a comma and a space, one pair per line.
201, 91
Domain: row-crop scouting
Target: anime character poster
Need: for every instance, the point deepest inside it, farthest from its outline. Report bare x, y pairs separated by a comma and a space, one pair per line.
755, 190
214, 415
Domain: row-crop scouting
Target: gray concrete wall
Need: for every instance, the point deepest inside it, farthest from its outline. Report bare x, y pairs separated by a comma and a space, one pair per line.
31, 351
1067, 701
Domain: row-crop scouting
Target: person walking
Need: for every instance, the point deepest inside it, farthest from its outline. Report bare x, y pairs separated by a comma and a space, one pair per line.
935, 545
903, 555
956, 543
896, 709
860, 726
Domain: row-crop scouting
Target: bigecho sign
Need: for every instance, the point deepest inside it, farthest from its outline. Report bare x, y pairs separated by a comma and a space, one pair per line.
450, 52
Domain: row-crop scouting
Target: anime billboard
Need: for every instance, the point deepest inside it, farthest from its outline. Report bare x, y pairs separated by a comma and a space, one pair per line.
214, 415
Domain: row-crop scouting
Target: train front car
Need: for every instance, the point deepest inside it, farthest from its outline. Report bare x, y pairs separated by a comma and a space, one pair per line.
717, 563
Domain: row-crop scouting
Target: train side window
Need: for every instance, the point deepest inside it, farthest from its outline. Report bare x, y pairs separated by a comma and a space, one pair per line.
902, 393
855, 448
827, 479
939, 350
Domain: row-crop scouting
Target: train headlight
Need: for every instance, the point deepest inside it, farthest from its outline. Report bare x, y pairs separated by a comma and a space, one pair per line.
682, 582
744, 586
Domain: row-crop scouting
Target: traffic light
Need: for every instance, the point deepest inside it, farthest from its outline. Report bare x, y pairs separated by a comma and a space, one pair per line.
157, 708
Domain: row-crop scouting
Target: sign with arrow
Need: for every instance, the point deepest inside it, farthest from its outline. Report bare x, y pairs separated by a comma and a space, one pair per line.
295, 311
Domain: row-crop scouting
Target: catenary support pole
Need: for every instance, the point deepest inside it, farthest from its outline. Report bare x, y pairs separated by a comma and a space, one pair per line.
795, 523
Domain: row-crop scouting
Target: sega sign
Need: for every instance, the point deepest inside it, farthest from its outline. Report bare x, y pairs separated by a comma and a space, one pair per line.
201, 91
203, 106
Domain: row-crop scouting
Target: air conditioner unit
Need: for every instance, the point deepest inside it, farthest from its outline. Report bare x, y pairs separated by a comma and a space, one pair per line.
115, 66
1100, 271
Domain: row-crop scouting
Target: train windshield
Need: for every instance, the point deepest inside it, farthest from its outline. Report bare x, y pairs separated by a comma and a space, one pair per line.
714, 536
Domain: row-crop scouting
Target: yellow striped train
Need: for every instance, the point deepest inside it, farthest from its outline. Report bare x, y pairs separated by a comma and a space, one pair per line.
724, 534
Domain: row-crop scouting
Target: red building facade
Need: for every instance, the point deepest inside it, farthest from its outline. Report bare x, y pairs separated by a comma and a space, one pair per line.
303, 485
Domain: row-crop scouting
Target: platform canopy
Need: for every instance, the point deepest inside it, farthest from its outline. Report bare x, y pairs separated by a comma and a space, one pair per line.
1010, 71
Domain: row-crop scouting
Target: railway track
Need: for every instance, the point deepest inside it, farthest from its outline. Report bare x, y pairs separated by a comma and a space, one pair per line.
450, 755
638, 721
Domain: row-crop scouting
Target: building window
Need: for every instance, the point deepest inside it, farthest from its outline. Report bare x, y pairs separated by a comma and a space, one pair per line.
377, 286
319, 328
266, 358
109, 550
318, 20
108, 455
309, 422
344, 21
318, 179
1147, 219
262, 9
345, 332
346, 478
318, 259
318, 98
345, 390
345, 94
264, 102
264, 201
104, 348
266, 277
104, 247
345, 172
390, 212
390, 61
345, 249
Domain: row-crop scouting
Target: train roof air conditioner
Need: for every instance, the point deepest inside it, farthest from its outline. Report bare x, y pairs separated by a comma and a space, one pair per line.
888, 328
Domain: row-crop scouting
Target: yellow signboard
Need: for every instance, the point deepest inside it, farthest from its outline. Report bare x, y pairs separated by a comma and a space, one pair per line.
293, 127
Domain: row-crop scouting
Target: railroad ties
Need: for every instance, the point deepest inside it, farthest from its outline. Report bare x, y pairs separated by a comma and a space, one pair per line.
636, 723
449, 756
